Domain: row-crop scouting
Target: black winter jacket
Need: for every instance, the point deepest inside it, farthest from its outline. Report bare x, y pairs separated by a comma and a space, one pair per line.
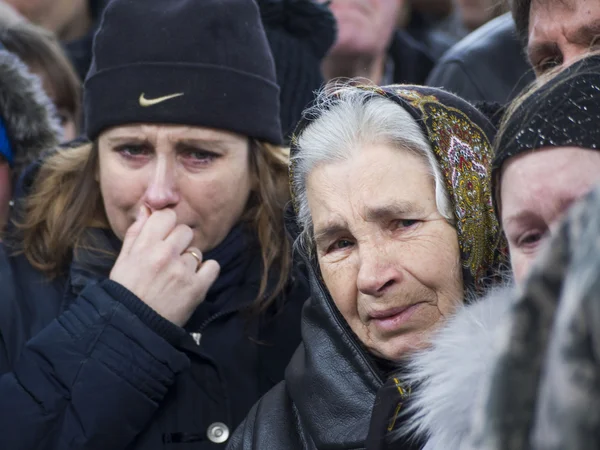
87, 365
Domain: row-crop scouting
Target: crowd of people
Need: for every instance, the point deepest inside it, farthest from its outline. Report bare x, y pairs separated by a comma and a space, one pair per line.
299, 224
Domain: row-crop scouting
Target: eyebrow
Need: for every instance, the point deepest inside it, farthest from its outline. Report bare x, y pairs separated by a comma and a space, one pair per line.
208, 144
330, 231
375, 214
118, 139
396, 209
585, 34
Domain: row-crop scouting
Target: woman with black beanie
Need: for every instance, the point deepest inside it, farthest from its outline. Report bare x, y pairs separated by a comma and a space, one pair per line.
543, 161
148, 292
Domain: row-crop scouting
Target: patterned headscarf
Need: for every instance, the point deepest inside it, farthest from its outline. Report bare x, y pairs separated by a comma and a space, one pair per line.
460, 138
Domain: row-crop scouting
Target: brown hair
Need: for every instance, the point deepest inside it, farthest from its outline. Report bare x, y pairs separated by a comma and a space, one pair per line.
65, 200
520, 12
41, 51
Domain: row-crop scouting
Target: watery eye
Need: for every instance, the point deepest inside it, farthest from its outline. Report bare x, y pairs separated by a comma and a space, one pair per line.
132, 150
405, 223
530, 239
342, 243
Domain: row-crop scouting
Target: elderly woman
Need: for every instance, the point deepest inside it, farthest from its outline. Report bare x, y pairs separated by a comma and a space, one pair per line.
539, 171
148, 297
391, 192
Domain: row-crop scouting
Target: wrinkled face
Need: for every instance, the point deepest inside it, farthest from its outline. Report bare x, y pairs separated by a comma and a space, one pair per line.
475, 13
365, 27
561, 31
5, 191
202, 174
535, 191
388, 258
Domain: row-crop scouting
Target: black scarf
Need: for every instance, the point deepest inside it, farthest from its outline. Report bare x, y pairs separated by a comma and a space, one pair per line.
234, 255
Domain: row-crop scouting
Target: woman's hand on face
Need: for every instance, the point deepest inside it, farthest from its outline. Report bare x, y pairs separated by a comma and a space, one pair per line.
156, 264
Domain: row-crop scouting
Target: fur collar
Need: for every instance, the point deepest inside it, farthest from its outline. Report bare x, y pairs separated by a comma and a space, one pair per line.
452, 372
28, 113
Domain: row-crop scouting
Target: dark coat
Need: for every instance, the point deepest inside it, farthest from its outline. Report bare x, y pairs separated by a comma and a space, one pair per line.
329, 391
486, 66
412, 60
87, 365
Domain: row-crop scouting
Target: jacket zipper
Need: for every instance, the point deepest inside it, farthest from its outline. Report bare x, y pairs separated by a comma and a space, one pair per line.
197, 335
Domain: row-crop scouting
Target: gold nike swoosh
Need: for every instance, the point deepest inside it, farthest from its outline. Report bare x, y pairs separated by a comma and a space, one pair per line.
145, 102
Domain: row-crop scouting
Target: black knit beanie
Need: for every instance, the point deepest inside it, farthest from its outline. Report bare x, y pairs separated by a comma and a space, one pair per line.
189, 62
300, 33
562, 112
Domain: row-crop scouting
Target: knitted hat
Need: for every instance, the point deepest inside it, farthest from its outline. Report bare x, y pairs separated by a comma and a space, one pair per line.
561, 112
190, 62
300, 33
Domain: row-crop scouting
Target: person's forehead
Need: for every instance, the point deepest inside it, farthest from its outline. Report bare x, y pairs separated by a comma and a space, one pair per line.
548, 177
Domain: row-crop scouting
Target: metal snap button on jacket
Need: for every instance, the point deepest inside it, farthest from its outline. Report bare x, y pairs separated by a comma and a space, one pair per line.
218, 433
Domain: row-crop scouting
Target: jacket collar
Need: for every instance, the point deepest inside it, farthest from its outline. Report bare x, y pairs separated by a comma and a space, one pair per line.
331, 379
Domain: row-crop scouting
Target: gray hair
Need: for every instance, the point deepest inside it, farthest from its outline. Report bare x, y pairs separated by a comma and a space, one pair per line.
345, 119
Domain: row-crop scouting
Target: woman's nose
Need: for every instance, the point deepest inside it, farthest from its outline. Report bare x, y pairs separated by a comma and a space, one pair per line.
162, 191
378, 272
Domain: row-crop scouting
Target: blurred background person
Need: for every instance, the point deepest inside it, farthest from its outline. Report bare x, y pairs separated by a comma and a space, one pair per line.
300, 33
42, 53
488, 65
72, 21
28, 125
369, 45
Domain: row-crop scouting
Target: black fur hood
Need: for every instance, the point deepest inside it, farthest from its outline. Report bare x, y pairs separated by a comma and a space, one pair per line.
27, 112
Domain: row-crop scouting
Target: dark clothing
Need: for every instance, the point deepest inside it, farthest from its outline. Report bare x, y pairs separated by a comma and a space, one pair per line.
488, 65
391, 400
412, 60
80, 50
87, 365
300, 34
328, 392
430, 31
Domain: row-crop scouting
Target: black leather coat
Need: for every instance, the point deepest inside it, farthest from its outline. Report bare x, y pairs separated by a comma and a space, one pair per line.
329, 390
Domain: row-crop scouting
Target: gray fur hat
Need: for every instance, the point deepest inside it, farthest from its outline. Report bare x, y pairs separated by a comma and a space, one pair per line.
26, 112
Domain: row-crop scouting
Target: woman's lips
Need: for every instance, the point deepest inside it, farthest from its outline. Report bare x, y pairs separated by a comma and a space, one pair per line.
393, 318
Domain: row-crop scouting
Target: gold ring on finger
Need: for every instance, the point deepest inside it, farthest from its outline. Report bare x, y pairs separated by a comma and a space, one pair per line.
198, 259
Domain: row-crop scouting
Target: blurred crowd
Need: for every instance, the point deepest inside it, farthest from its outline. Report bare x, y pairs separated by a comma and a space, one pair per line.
299, 224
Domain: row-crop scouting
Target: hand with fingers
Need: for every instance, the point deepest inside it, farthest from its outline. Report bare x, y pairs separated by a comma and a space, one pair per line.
157, 264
